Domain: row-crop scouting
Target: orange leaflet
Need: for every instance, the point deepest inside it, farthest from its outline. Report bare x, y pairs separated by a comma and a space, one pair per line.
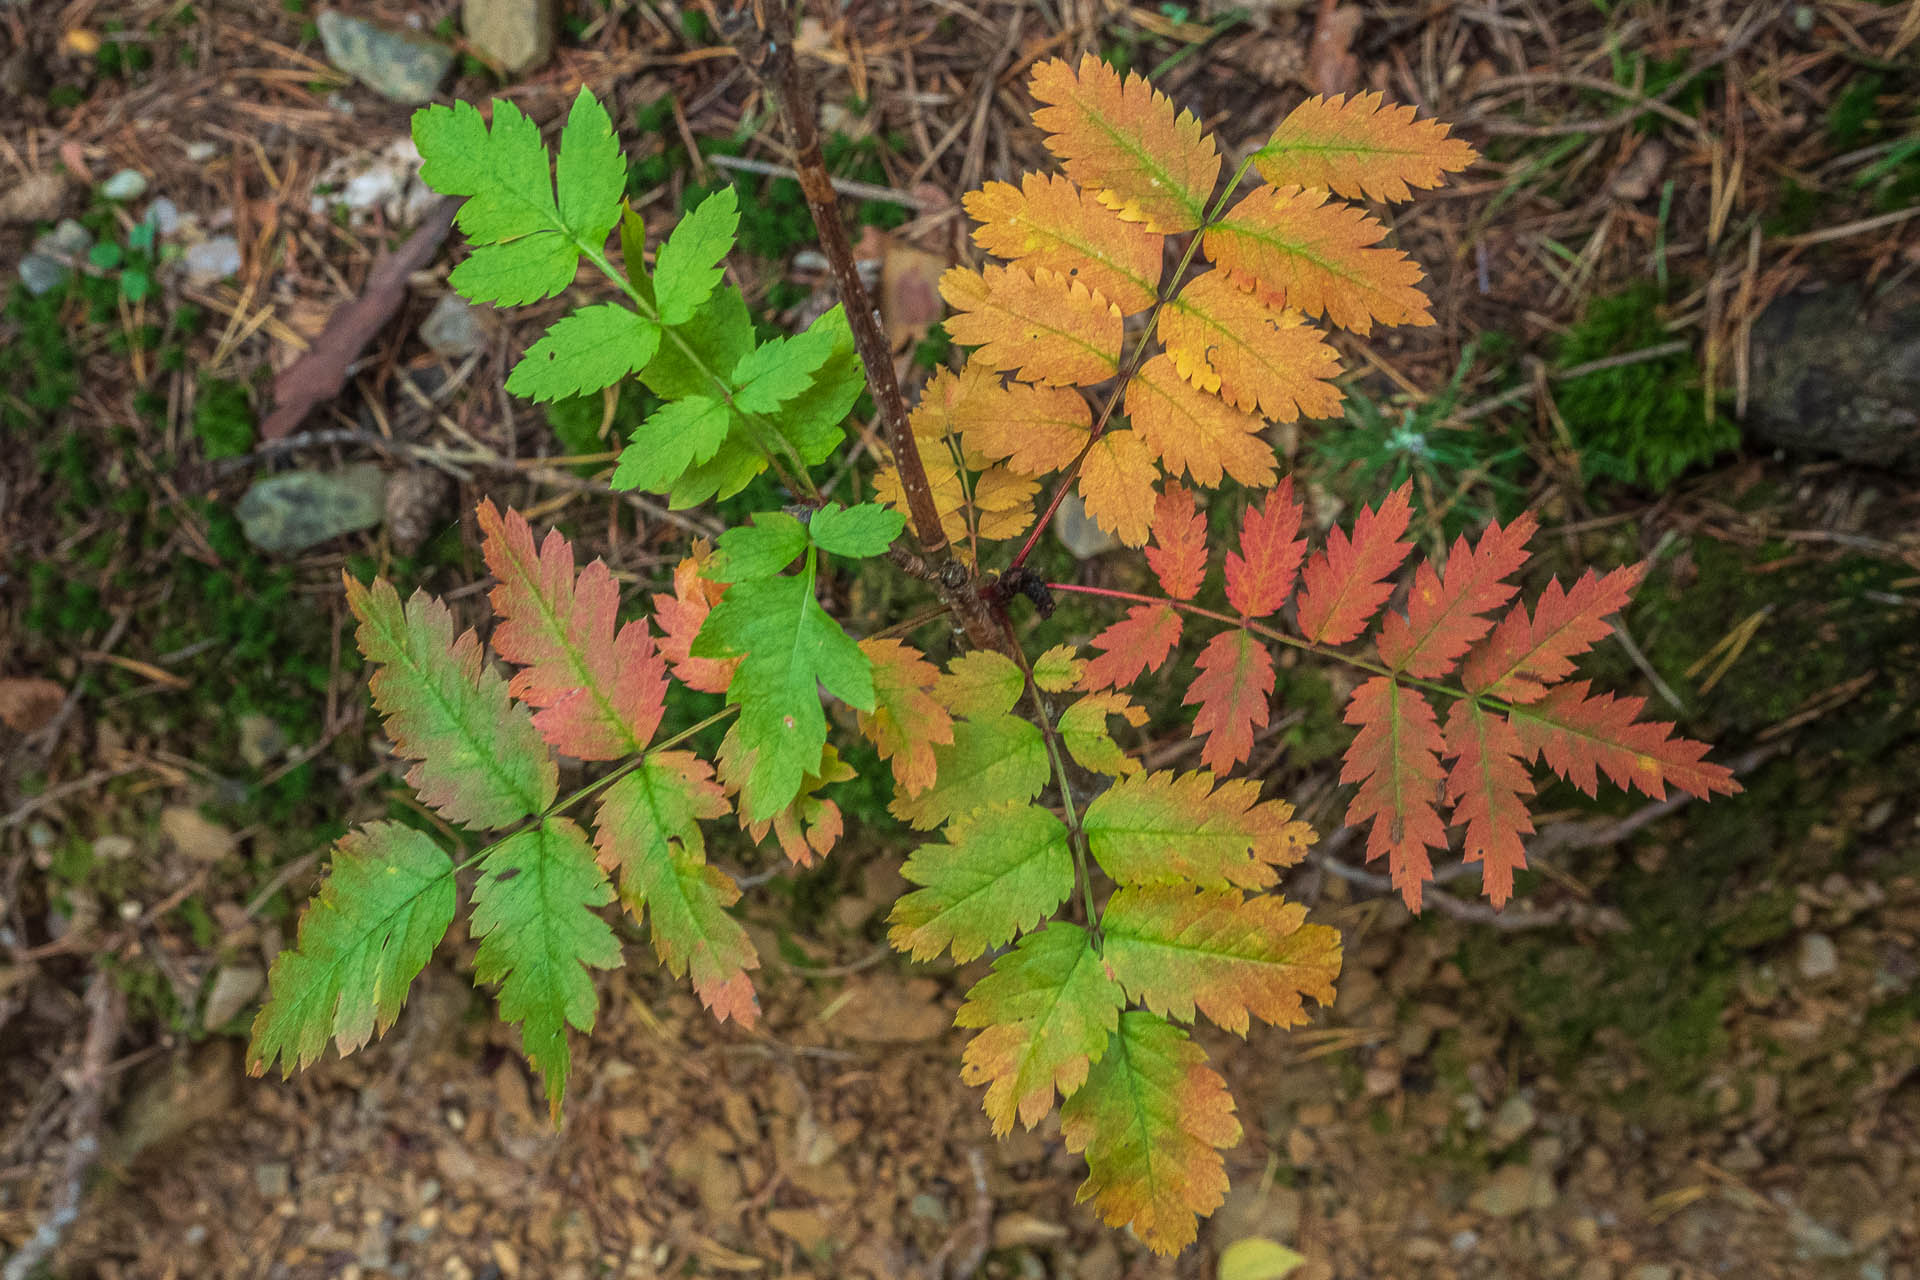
907, 721
1356, 147
1347, 582
1578, 735
1298, 250
1122, 141
1178, 552
1446, 612
1137, 643
1191, 431
1116, 483
1048, 223
1524, 655
1489, 786
1256, 355
603, 693
1046, 327
680, 616
1235, 681
1396, 760
1036, 430
1260, 574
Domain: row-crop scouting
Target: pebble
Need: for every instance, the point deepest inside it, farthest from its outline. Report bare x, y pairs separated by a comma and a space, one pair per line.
201, 152
453, 327
299, 509
35, 198
1512, 1122
1513, 1190
1077, 531
1819, 958
163, 215
516, 34
212, 260
273, 1179
395, 64
234, 987
128, 184
41, 274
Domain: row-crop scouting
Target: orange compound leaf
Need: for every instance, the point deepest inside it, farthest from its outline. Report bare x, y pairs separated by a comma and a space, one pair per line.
1583, 736
1260, 574
1034, 430
1175, 949
1356, 147
1116, 483
1232, 689
1151, 1119
1524, 655
1178, 552
680, 616
1121, 140
1167, 828
1446, 611
1138, 643
1346, 583
1048, 223
907, 721
1489, 786
1255, 355
1296, 249
1044, 326
1395, 759
602, 692
1191, 431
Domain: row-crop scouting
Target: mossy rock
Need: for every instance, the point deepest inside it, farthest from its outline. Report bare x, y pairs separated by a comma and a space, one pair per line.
1838, 374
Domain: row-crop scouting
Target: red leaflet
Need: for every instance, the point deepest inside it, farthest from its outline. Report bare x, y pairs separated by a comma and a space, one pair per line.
1235, 681
1347, 582
603, 693
1178, 552
1137, 643
1489, 786
1579, 735
1524, 655
680, 616
1445, 612
1396, 760
1260, 575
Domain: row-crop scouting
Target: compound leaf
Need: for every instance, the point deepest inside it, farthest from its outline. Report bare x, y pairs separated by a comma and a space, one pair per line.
1138, 643
1296, 249
682, 614
1049, 224
1116, 484
993, 759
589, 350
1000, 872
1035, 430
1488, 786
759, 550
1084, 733
1446, 611
1525, 654
1260, 575
1232, 689
780, 369
1225, 339
1163, 828
692, 260
1178, 552
1579, 735
676, 436
1189, 430
1346, 582
1045, 326
861, 531
907, 722
1395, 759
1355, 147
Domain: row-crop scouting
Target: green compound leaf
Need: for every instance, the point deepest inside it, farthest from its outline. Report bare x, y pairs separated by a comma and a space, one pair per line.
1001, 871
814, 421
517, 272
1084, 733
1174, 948
1045, 1013
778, 370
858, 531
1151, 1118
981, 684
481, 763
363, 940
593, 348
1160, 828
533, 914
689, 264
674, 437
649, 827
710, 344
592, 175
789, 649
991, 760
759, 550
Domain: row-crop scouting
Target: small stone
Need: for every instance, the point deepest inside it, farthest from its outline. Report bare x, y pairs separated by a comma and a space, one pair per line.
1815, 1238
516, 34
194, 834
41, 274
1465, 1240
1511, 1122
113, 848
212, 260
406, 68
1514, 1190
1077, 531
417, 502
928, 1208
201, 152
453, 328
1025, 1230
273, 1179
1651, 1271
68, 239
299, 509
1819, 958
128, 184
163, 215
262, 740
234, 988
38, 197
1872, 1229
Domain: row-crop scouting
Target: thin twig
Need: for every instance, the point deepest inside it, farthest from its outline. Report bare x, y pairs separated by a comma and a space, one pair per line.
845, 186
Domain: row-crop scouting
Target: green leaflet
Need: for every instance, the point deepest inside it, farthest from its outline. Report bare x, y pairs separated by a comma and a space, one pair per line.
1083, 731
1045, 1014
813, 421
1160, 828
1000, 872
991, 760
981, 684
688, 265
789, 649
673, 438
718, 335
362, 941
867, 529
593, 348
781, 368
759, 550
481, 763
533, 914
649, 826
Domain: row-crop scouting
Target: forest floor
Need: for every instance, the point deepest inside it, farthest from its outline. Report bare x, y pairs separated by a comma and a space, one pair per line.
1690, 1048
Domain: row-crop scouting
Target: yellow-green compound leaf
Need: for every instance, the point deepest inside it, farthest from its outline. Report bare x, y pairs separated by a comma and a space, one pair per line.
992, 760
1084, 733
649, 827
1162, 828
481, 763
1151, 1119
533, 914
1175, 949
1045, 1014
981, 684
363, 940
1058, 669
690, 263
1001, 871
589, 350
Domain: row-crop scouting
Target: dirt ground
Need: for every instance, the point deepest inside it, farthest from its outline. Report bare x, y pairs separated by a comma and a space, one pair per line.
1691, 1048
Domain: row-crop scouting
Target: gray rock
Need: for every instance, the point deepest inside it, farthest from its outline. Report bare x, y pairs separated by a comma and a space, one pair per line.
38, 197
1514, 1190
395, 64
68, 239
212, 260
1819, 958
1077, 531
262, 740
516, 34
273, 1180
41, 274
299, 509
1837, 373
201, 152
234, 987
128, 184
163, 215
1511, 1123
453, 328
